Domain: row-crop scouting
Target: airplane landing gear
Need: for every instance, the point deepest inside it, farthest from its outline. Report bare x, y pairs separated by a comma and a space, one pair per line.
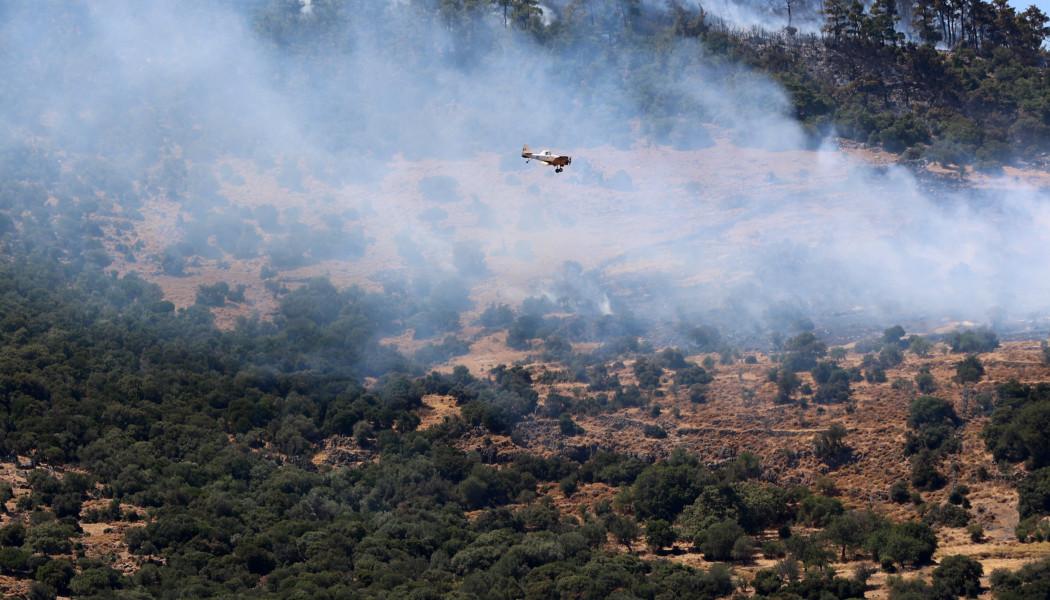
558, 169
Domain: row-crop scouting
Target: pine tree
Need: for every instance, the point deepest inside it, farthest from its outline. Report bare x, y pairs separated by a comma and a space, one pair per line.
835, 17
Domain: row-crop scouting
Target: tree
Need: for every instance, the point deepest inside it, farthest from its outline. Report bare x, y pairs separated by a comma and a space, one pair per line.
12, 535
213, 295
6, 494
848, 531
648, 373
836, 17
972, 340
931, 410
718, 541
818, 511
894, 335
705, 337
659, 535
1033, 494
96, 580
623, 529
526, 14
803, 350
910, 542
567, 426
960, 575
830, 445
1032, 32
743, 548
836, 391
909, 589
497, 316
766, 582
57, 574
919, 345
13, 560
1018, 430
41, 591
787, 384
661, 491
890, 356
924, 473
925, 22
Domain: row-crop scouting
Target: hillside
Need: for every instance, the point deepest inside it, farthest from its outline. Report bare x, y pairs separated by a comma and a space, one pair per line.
284, 314
740, 415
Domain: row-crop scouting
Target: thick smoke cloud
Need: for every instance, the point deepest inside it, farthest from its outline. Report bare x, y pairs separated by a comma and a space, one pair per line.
693, 193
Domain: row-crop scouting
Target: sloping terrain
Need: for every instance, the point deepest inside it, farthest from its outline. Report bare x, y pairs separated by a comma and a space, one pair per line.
652, 227
663, 229
740, 415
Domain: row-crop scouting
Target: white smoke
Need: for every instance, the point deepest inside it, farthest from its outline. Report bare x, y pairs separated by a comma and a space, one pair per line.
745, 221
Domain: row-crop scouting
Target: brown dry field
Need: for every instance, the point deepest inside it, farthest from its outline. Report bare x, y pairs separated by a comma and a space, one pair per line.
568, 217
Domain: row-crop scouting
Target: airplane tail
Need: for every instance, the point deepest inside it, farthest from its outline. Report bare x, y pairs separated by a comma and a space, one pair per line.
525, 150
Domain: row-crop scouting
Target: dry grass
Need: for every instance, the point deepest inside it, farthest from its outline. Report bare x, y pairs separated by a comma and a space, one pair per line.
728, 424
738, 192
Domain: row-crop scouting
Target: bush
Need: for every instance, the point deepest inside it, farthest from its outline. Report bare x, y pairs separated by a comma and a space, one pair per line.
976, 532
568, 426
958, 495
1015, 432
876, 374
948, 515
969, 370
924, 381
766, 582
926, 410
213, 295
569, 485
654, 431
899, 493
919, 345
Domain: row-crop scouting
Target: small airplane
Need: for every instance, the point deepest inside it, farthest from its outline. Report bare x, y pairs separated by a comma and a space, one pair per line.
548, 158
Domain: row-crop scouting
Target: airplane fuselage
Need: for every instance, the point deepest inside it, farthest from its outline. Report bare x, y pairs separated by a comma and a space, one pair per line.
547, 157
